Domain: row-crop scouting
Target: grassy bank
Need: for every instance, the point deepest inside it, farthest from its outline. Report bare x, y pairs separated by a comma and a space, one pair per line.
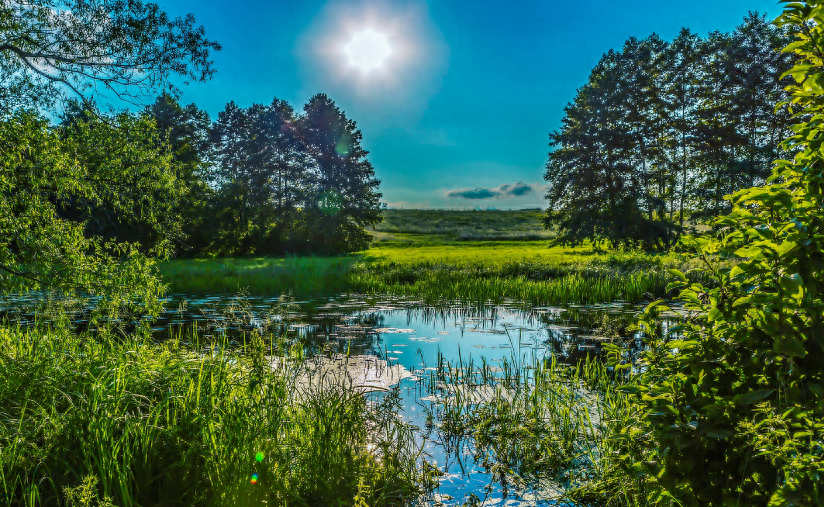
477, 271
105, 420
438, 255
301, 276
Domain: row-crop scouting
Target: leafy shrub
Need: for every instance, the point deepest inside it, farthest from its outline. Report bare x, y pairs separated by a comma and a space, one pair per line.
734, 396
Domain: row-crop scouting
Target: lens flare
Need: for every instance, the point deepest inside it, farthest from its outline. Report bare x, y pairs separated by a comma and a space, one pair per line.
254, 478
386, 59
259, 456
342, 148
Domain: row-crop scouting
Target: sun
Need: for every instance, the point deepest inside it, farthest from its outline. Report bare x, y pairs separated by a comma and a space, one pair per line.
368, 50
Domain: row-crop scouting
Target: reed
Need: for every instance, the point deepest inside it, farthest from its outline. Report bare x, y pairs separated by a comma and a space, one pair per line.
113, 420
530, 421
471, 274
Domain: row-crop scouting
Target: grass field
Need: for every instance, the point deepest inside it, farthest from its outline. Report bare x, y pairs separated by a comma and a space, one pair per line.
424, 260
454, 225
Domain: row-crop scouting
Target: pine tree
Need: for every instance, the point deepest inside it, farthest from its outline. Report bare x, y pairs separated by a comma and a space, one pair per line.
662, 132
344, 195
185, 133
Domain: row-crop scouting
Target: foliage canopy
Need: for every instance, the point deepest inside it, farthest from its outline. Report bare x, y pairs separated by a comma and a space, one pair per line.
86, 206
733, 398
91, 47
60, 185
662, 131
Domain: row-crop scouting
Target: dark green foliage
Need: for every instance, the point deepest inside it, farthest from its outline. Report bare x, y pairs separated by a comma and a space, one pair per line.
281, 182
58, 186
259, 176
663, 131
733, 396
344, 199
139, 182
86, 206
185, 134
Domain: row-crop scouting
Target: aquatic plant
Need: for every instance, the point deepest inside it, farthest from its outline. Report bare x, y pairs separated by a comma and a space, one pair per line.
108, 418
562, 431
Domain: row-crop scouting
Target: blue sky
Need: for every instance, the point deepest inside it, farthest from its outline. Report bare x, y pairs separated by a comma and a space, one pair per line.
459, 113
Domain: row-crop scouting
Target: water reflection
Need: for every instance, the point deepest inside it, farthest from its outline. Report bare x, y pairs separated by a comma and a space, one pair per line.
394, 342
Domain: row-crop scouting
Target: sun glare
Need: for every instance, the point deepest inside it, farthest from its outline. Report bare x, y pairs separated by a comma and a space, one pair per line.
367, 49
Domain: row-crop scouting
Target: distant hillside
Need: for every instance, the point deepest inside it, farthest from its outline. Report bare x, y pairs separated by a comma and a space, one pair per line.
454, 225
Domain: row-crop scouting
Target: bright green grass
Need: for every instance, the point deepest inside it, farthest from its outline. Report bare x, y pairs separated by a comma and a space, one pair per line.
300, 276
485, 252
126, 421
417, 253
531, 272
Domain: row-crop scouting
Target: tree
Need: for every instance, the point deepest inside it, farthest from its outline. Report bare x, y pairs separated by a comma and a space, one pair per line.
86, 207
759, 86
680, 72
663, 131
235, 178
733, 397
260, 175
344, 191
185, 131
609, 157
53, 184
715, 134
286, 182
126, 48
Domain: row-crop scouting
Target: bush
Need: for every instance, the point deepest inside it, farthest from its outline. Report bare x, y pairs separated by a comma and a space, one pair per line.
734, 396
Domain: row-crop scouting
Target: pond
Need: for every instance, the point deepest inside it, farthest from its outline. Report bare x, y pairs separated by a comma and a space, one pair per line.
400, 343
397, 344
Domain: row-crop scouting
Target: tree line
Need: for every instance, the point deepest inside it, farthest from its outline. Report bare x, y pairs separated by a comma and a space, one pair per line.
264, 179
663, 131
90, 201
267, 179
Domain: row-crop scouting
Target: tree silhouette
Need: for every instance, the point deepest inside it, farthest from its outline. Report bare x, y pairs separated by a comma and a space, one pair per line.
663, 131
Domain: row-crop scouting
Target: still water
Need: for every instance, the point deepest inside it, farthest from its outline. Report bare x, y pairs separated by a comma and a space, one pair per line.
395, 343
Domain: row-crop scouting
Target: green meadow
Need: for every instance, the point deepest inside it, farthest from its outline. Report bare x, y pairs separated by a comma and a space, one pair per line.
461, 225
426, 254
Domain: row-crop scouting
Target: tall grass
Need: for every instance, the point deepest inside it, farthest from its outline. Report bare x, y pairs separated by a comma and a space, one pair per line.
473, 274
443, 284
124, 420
300, 276
531, 421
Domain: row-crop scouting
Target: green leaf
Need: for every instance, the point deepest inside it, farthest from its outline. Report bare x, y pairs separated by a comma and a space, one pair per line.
790, 346
720, 434
752, 397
